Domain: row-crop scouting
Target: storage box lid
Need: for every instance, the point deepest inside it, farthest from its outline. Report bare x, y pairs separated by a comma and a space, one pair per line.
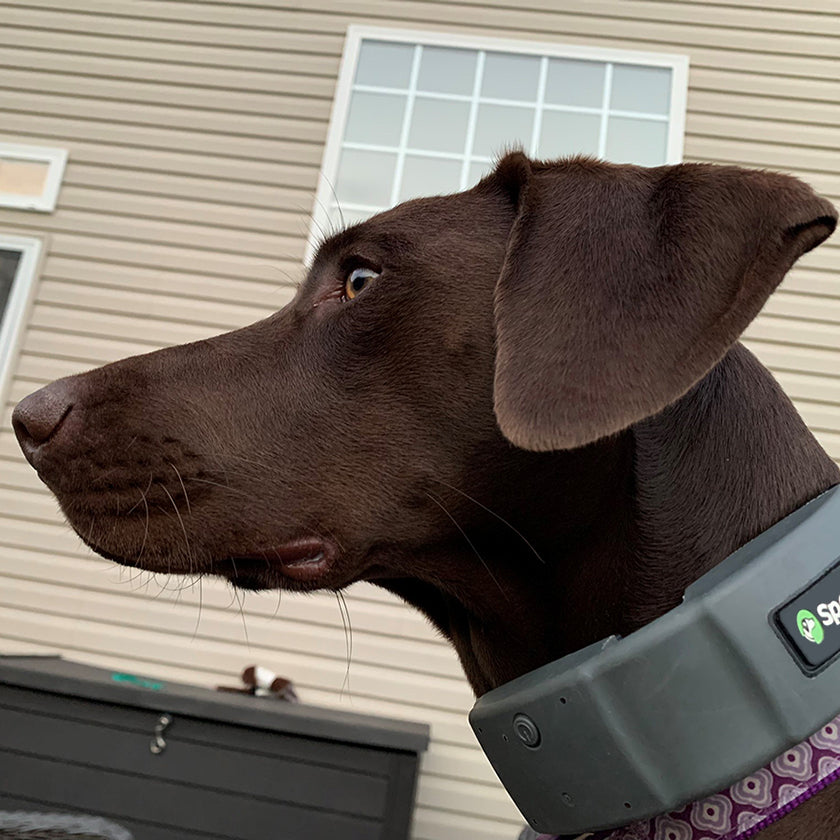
55, 675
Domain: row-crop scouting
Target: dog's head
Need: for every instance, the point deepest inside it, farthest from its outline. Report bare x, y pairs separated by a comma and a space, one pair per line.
431, 351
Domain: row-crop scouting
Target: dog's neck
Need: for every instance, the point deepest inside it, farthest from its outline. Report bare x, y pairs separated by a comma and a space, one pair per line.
714, 470
634, 520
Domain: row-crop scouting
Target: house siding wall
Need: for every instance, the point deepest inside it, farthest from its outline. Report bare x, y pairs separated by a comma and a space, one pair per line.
195, 132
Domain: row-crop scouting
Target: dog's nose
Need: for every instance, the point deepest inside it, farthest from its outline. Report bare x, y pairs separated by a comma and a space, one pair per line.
38, 417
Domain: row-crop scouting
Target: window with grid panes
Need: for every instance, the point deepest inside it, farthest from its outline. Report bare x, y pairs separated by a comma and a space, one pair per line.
424, 114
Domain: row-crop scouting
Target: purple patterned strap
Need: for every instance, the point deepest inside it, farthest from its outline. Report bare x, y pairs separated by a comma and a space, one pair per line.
743, 810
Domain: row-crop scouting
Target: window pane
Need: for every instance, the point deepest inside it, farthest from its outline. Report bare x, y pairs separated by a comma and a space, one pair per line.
643, 89
571, 82
375, 118
439, 125
23, 177
637, 141
365, 177
568, 133
345, 219
429, 176
384, 64
9, 262
501, 126
444, 70
509, 76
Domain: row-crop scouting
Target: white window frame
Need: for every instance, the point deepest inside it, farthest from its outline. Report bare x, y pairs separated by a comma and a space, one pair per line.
56, 160
14, 317
678, 64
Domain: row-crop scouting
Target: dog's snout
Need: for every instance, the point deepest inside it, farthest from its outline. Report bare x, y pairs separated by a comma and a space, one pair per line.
38, 417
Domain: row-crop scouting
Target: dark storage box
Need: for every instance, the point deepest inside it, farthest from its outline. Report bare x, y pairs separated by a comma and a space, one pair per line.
170, 762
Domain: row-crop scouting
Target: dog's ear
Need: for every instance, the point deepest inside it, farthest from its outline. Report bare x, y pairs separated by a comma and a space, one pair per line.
622, 286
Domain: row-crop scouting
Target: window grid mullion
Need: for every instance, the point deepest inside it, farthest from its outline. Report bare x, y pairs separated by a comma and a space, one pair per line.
515, 103
605, 111
362, 208
409, 112
538, 112
469, 140
409, 150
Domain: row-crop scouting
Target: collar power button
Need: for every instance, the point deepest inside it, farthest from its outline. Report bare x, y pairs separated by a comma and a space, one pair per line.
527, 731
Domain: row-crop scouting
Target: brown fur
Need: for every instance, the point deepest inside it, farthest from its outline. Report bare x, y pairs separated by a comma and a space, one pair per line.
596, 307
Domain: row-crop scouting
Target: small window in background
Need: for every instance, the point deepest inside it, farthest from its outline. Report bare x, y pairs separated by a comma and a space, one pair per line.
18, 267
30, 176
423, 113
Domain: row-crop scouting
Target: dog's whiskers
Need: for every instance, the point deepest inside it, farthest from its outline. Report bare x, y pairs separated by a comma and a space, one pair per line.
183, 527
89, 537
217, 484
200, 605
189, 509
322, 234
337, 203
134, 576
239, 602
496, 515
469, 543
145, 503
161, 586
348, 640
134, 506
184, 582
181, 480
146, 527
242, 492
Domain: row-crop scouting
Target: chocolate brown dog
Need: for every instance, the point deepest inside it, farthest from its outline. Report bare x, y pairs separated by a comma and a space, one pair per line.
521, 408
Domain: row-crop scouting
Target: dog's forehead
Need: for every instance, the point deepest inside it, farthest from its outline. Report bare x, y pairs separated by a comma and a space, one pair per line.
405, 230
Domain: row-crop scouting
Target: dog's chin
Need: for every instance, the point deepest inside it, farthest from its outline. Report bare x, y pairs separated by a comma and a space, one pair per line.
162, 565
303, 564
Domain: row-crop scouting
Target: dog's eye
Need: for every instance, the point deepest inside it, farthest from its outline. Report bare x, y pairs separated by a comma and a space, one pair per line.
357, 280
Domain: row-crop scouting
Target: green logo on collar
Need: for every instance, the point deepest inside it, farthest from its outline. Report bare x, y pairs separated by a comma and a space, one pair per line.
809, 627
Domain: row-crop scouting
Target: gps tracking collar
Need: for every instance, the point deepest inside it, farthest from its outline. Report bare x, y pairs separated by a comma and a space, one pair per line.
741, 670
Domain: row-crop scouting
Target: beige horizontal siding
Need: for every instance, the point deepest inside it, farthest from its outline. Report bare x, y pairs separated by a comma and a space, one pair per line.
91, 100
195, 132
126, 161
222, 142
810, 53
43, 39
168, 232
260, 93
777, 31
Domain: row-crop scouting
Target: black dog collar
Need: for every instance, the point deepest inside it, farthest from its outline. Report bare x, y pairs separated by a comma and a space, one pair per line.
629, 728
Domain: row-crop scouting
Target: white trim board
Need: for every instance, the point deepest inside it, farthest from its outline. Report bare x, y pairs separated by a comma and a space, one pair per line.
14, 316
678, 64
